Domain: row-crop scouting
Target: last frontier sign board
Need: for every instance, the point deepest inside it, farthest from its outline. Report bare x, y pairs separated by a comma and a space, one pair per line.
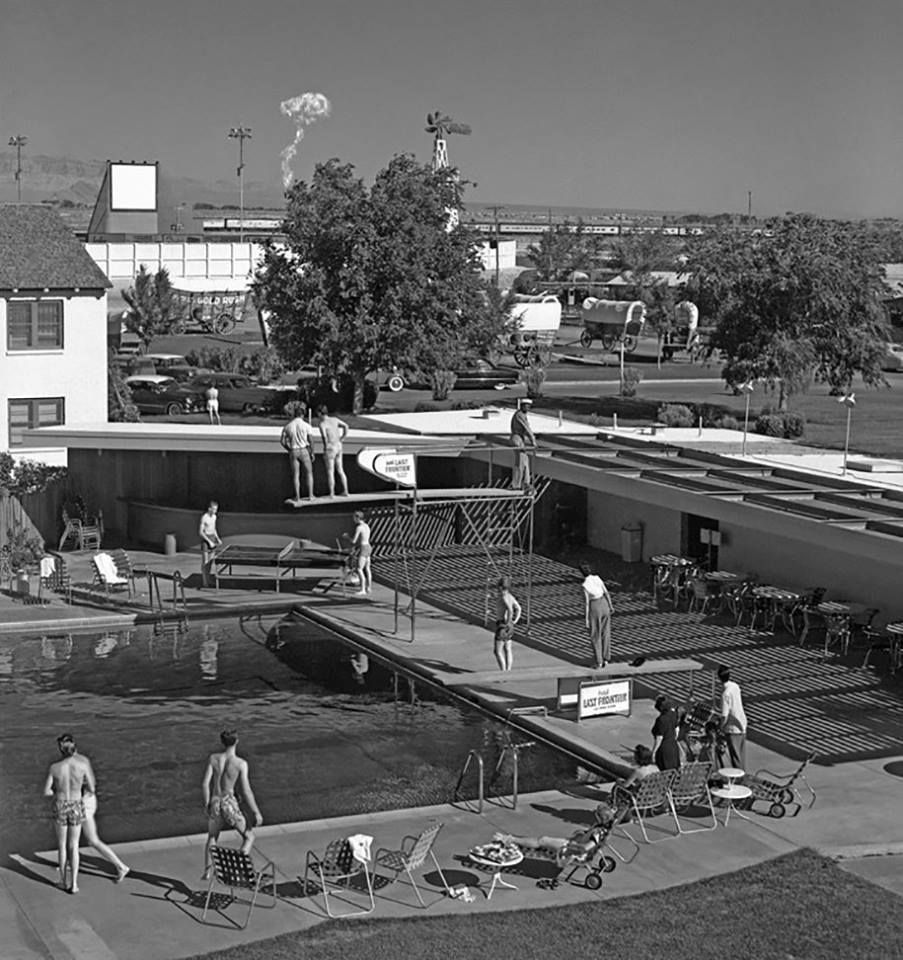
400, 468
601, 698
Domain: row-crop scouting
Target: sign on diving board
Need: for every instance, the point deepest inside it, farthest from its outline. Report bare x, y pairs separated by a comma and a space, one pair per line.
400, 468
604, 698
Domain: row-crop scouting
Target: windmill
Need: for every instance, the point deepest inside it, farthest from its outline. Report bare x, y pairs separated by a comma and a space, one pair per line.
441, 125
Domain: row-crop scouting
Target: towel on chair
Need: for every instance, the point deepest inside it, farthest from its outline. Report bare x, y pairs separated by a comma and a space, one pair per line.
360, 847
48, 567
106, 567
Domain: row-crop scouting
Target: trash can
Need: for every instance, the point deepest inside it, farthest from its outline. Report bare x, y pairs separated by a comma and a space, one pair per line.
632, 542
169, 545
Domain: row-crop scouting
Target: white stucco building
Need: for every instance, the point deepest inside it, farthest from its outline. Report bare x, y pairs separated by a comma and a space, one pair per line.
53, 330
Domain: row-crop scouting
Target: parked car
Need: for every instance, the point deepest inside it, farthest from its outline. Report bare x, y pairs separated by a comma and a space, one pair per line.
238, 393
187, 372
154, 393
476, 375
163, 361
893, 359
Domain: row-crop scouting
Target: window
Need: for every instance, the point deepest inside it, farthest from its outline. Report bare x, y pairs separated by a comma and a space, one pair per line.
34, 324
43, 412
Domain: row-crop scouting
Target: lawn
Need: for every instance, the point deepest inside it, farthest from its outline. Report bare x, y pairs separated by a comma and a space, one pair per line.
797, 907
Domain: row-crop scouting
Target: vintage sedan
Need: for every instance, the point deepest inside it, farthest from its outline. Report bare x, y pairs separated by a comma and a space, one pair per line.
153, 393
239, 394
476, 375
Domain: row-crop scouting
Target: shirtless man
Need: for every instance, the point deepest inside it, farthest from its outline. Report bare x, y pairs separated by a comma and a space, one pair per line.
361, 543
332, 432
64, 783
209, 540
224, 771
507, 614
212, 395
295, 440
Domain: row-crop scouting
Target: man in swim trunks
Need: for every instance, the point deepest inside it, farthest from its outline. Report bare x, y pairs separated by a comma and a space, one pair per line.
332, 432
64, 783
212, 395
209, 540
361, 543
507, 614
295, 441
224, 771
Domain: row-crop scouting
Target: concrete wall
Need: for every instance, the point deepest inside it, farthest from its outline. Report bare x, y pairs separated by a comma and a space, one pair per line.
78, 372
606, 514
223, 261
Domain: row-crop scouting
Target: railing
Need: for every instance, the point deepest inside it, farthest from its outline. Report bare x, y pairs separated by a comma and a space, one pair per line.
511, 750
473, 755
155, 598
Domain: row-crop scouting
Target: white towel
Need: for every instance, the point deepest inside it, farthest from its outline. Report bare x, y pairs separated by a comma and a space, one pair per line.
360, 847
48, 567
106, 567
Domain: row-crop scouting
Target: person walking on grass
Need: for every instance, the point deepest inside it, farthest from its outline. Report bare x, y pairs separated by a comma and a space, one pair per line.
733, 718
332, 432
226, 771
63, 786
507, 614
598, 611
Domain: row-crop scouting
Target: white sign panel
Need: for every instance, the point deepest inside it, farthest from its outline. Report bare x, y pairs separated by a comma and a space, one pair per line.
133, 186
600, 698
400, 468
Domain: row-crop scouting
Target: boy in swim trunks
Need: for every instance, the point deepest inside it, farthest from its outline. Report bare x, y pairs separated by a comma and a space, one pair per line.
332, 432
224, 771
361, 543
507, 614
64, 783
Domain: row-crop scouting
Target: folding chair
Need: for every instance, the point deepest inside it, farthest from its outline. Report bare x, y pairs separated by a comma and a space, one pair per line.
123, 564
700, 596
646, 798
411, 856
237, 870
337, 867
106, 574
780, 789
690, 787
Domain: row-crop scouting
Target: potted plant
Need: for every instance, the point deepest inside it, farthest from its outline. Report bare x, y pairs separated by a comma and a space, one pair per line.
25, 552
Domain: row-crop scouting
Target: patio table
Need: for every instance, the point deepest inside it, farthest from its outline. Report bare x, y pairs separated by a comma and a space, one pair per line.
781, 602
667, 574
838, 615
512, 857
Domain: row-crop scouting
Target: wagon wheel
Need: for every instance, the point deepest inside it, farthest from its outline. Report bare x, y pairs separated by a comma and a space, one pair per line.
522, 356
586, 338
630, 343
608, 341
225, 323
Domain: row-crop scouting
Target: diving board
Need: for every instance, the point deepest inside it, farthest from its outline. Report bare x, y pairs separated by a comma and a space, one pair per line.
420, 494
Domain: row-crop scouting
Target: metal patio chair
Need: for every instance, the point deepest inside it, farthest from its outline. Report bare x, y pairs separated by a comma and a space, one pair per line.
411, 856
237, 871
337, 868
780, 790
647, 798
690, 788
107, 576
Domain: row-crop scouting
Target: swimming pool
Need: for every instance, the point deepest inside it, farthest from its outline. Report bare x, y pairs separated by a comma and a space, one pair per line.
323, 738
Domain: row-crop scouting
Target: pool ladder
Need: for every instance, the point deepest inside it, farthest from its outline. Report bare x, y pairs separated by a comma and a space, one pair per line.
510, 749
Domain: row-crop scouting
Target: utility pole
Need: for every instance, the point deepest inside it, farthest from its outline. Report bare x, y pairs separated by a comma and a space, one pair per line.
498, 237
749, 204
18, 142
241, 134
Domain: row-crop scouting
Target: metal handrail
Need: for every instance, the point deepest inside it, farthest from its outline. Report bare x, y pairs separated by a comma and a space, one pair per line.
514, 750
474, 754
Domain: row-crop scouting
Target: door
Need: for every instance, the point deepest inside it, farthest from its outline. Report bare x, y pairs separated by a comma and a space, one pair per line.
700, 539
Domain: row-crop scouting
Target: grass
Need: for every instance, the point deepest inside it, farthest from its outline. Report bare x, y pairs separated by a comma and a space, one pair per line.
797, 907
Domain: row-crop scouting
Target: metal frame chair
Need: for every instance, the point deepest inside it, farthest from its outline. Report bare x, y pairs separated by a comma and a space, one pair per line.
107, 578
690, 787
411, 856
647, 798
780, 789
237, 870
86, 531
337, 867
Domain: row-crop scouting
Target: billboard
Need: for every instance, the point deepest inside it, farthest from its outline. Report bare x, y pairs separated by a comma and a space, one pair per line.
133, 186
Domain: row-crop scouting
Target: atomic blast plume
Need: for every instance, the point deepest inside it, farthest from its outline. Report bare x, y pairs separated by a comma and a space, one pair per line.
302, 111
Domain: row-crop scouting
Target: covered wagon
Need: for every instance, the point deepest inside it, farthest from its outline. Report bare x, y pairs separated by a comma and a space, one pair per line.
615, 322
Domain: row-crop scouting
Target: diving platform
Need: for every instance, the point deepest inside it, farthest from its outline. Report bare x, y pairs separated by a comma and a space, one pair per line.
421, 494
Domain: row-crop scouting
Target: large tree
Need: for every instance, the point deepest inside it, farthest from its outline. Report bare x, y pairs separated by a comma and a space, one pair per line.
371, 278
562, 249
152, 306
797, 302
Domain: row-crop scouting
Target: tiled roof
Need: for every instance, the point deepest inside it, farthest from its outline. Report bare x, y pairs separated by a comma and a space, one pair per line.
38, 250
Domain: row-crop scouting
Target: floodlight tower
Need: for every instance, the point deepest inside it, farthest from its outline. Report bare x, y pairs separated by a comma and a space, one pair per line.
241, 134
441, 125
18, 141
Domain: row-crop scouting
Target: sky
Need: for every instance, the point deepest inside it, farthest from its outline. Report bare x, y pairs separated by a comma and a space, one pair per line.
678, 105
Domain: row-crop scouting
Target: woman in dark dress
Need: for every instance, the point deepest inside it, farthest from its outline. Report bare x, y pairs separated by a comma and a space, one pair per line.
664, 730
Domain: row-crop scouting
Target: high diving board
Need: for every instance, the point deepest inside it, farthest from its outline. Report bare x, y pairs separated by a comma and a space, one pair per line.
420, 494
567, 671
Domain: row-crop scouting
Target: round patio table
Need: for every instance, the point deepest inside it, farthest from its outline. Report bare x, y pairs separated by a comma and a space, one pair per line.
495, 867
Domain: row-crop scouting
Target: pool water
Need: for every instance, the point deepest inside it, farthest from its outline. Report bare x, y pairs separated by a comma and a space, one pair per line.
322, 731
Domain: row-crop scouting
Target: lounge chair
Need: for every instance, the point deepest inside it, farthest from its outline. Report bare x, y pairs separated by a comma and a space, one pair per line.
106, 574
690, 788
780, 790
337, 868
238, 871
645, 799
55, 576
411, 856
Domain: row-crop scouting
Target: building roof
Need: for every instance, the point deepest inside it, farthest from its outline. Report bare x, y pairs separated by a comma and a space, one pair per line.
38, 251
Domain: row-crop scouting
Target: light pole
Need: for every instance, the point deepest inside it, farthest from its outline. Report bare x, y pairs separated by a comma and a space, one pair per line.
18, 141
241, 134
495, 213
747, 388
849, 401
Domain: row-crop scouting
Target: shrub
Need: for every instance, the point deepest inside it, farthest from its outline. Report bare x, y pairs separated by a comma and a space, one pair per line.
467, 405
780, 424
442, 382
794, 425
534, 378
675, 415
424, 406
728, 423
630, 382
770, 424
336, 392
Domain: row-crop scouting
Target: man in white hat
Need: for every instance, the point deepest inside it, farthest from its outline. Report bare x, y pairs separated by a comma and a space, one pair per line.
522, 438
